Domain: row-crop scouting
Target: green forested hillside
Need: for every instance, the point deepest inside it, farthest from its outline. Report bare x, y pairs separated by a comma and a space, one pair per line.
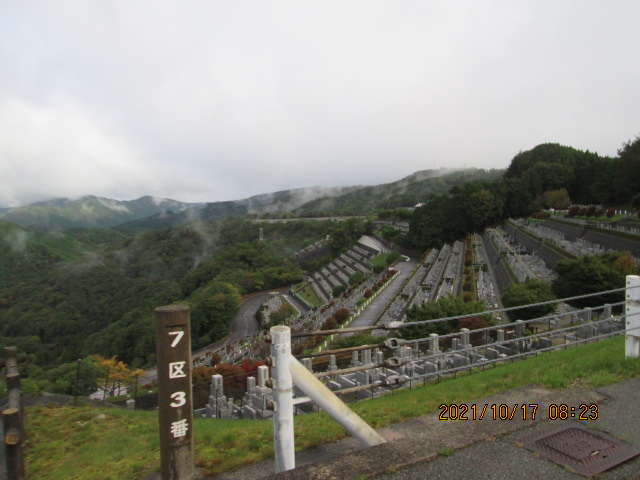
67, 295
535, 179
89, 211
271, 204
408, 192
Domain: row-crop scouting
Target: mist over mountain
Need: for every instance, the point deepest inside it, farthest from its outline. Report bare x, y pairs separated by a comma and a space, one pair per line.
269, 204
404, 193
151, 213
89, 211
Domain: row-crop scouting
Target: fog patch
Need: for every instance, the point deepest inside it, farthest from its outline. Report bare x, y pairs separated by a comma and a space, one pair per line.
113, 205
17, 240
210, 234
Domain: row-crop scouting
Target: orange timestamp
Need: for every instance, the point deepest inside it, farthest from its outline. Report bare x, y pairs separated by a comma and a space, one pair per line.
524, 411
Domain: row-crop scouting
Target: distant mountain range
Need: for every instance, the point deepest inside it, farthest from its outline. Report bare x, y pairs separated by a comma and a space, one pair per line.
148, 212
406, 192
89, 211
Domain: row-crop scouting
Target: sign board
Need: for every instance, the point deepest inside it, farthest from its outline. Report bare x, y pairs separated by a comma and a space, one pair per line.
175, 404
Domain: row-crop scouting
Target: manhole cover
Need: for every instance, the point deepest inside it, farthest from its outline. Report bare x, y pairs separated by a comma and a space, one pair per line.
587, 452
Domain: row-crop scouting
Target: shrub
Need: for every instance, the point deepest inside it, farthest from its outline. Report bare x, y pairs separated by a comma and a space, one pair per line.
541, 215
338, 290
356, 340
342, 315
474, 323
312, 342
279, 316
215, 359
249, 365
393, 257
329, 324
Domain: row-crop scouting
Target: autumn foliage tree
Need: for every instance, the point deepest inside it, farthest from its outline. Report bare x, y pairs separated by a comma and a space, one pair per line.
557, 199
474, 323
115, 376
342, 315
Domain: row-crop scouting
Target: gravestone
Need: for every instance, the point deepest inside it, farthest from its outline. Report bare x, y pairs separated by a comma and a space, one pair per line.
216, 397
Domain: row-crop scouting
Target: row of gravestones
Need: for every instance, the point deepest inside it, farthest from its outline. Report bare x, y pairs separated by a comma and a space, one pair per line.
453, 266
427, 277
485, 284
310, 248
601, 240
410, 291
410, 363
573, 244
322, 282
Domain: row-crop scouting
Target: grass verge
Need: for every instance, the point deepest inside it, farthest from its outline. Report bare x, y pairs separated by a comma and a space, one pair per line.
306, 291
99, 443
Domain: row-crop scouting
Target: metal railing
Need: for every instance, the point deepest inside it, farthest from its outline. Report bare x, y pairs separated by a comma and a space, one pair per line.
444, 355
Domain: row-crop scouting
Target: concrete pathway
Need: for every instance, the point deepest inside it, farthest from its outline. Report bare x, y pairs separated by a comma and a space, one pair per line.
377, 306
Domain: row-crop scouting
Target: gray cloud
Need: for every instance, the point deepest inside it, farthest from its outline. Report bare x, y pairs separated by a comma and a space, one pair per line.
205, 101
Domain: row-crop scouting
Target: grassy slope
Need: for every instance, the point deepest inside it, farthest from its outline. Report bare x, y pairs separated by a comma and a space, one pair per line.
67, 442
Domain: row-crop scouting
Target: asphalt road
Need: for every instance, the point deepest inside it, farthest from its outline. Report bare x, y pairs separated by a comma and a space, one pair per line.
245, 322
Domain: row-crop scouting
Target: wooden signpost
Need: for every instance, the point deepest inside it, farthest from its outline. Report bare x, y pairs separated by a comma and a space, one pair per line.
173, 349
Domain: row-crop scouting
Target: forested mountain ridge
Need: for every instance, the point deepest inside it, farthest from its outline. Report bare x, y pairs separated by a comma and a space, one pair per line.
134, 216
547, 176
147, 213
269, 204
90, 211
406, 192
587, 177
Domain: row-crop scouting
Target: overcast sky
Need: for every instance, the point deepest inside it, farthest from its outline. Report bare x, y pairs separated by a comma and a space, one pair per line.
220, 100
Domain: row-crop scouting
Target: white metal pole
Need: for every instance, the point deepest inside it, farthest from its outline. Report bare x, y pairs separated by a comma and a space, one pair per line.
632, 316
330, 403
283, 399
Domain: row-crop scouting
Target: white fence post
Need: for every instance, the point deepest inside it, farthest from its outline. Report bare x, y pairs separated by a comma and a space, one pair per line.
632, 316
282, 399
286, 370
